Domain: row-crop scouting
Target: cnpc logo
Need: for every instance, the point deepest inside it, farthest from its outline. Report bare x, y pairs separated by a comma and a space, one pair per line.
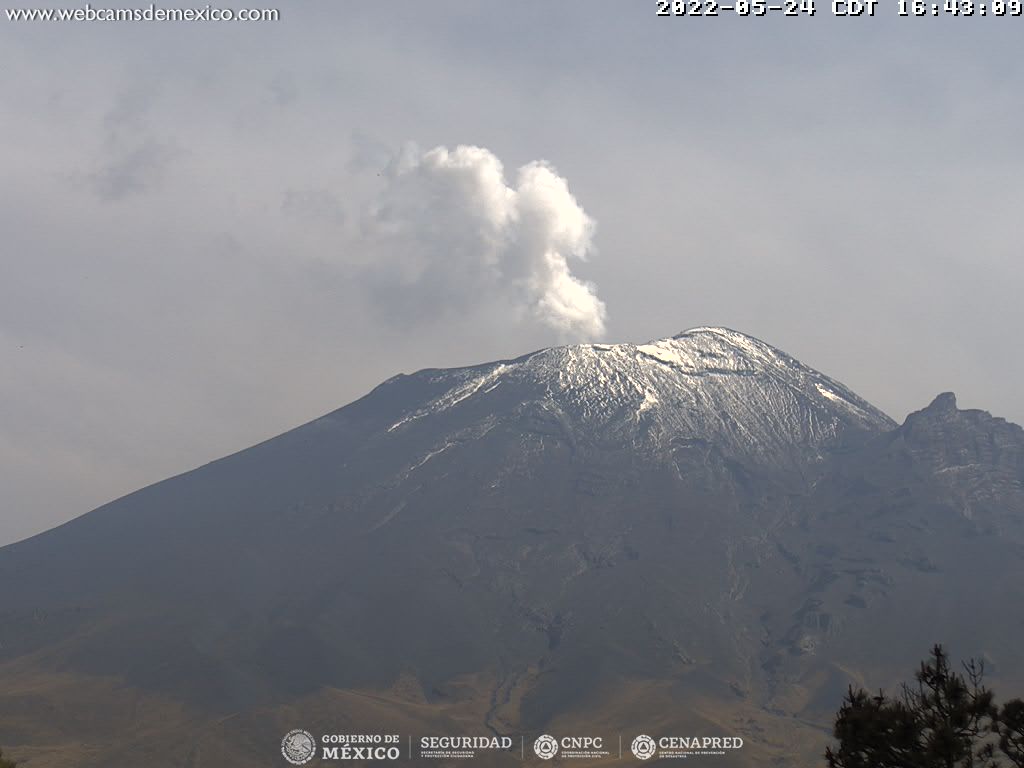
546, 746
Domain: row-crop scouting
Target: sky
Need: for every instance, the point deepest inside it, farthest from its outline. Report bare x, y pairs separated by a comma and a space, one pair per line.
214, 232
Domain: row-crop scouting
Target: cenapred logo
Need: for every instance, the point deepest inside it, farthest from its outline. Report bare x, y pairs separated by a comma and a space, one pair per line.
298, 747
667, 747
546, 747
643, 747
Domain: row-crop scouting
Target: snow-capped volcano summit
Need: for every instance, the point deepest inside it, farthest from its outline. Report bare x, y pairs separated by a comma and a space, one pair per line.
713, 384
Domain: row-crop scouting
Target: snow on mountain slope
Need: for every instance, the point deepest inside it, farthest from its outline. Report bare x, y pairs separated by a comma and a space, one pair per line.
710, 384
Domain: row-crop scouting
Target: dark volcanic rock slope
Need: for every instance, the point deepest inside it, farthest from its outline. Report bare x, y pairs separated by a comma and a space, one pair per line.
702, 509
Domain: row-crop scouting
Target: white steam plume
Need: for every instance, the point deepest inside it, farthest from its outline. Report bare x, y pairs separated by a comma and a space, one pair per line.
450, 235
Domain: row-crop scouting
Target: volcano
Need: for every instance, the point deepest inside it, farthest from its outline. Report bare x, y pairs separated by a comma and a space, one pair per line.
696, 535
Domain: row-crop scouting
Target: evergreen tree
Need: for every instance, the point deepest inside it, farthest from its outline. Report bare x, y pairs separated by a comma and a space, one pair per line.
1009, 727
947, 719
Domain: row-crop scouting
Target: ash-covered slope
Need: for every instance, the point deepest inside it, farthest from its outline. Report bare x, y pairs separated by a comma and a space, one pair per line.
521, 543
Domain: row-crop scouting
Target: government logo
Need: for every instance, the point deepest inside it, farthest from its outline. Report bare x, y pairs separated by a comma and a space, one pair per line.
298, 747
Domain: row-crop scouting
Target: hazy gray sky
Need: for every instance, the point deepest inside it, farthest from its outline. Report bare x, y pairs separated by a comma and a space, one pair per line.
215, 232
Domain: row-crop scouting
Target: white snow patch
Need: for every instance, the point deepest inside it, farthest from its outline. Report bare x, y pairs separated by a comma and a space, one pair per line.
458, 395
957, 468
650, 401
410, 417
830, 394
430, 455
664, 353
